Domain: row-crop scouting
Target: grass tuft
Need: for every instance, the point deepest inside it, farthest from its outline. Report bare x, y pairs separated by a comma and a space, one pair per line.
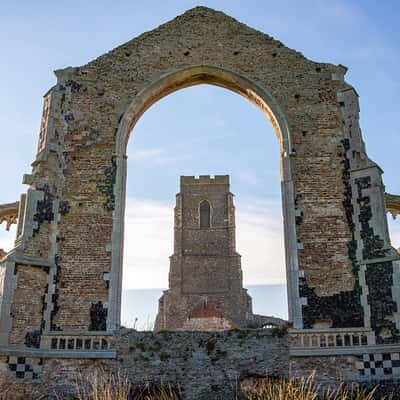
306, 389
100, 385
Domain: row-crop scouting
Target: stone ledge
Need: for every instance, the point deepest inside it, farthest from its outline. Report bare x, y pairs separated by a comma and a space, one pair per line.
22, 259
393, 257
79, 333
338, 351
328, 330
9, 208
371, 379
24, 352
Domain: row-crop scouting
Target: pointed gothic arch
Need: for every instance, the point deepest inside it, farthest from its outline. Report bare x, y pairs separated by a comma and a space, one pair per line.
205, 214
161, 86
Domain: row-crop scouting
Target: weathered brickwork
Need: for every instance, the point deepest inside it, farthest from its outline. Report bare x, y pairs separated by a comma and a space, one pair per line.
40, 245
379, 278
28, 315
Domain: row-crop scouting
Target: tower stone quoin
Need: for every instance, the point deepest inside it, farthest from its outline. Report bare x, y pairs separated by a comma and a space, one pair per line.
61, 284
205, 269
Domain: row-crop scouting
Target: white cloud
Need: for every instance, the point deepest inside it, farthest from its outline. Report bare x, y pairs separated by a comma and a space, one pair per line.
149, 242
259, 234
394, 229
260, 240
7, 238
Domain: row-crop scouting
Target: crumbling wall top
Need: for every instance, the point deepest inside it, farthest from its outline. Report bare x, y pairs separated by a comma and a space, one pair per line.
393, 204
9, 213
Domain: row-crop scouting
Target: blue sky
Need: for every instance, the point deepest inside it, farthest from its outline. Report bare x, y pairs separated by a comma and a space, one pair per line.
229, 135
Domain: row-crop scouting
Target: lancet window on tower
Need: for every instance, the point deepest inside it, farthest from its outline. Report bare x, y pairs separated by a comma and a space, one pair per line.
205, 215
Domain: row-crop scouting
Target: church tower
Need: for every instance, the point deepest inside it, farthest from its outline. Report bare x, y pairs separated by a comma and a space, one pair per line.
205, 278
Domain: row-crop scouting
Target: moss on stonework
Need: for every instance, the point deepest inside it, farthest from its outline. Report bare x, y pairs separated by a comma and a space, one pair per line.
106, 185
44, 209
373, 245
379, 278
164, 356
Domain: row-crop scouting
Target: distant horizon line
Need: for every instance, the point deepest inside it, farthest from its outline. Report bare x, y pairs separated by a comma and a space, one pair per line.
246, 286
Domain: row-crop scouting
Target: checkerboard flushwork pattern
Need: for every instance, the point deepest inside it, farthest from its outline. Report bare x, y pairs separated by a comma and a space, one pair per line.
379, 364
25, 367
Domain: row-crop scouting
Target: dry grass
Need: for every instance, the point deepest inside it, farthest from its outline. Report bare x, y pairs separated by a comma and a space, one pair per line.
101, 386
306, 389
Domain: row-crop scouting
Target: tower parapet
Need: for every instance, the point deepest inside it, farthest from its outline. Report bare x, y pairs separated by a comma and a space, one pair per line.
205, 179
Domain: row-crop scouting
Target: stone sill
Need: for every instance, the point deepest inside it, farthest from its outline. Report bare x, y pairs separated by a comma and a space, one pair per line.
328, 330
392, 257
373, 379
16, 257
40, 353
338, 351
78, 333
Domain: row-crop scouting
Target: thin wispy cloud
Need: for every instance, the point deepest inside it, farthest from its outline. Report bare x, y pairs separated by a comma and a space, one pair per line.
149, 243
259, 234
260, 241
158, 155
147, 154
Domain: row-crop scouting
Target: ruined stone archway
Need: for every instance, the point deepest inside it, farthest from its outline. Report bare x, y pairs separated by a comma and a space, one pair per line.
160, 87
60, 285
